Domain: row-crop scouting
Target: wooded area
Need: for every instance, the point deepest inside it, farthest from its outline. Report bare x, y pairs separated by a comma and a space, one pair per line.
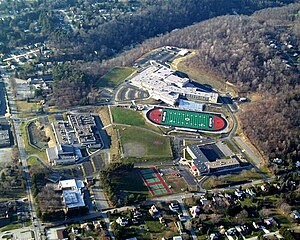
239, 50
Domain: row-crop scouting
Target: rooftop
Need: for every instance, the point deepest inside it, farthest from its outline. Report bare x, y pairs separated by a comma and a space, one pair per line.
73, 198
71, 184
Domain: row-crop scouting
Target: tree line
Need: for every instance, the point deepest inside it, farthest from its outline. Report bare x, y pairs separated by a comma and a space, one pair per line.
239, 50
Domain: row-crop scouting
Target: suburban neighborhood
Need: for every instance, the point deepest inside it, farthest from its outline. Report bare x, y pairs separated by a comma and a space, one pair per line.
152, 149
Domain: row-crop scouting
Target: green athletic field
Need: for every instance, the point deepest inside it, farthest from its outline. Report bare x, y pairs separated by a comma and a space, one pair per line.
187, 119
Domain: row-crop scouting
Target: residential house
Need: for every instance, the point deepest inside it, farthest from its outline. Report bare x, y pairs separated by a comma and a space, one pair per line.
195, 211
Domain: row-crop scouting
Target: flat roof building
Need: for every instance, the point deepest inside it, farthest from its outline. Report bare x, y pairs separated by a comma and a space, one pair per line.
63, 154
190, 106
79, 131
201, 165
163, 84
72, 193
4, 138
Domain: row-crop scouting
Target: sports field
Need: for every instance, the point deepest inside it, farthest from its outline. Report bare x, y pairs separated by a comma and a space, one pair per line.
187, 119
154, 182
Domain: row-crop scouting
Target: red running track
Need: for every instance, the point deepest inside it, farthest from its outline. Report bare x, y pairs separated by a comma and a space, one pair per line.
155, 115
219, 123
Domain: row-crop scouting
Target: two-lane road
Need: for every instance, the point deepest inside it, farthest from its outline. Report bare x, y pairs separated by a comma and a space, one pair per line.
16, 122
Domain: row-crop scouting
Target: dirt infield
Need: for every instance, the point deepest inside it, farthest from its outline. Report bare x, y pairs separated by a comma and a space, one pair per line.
134, 150
154, 182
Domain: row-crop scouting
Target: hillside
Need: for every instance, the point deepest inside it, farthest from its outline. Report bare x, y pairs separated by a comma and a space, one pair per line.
156, 17
239, 50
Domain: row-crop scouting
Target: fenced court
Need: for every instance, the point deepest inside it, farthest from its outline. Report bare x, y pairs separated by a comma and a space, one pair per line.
154, 182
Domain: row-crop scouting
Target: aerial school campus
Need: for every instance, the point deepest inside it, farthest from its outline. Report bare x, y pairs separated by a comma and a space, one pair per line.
161, 142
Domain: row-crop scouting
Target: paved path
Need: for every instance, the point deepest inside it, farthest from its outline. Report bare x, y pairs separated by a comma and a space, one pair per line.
248, 151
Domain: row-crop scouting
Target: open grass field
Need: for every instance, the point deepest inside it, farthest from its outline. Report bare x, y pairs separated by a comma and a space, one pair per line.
245, 175
33, 162
30, 149
144, 144
115, 76
26, 109
202, 76
26, 106
127, 116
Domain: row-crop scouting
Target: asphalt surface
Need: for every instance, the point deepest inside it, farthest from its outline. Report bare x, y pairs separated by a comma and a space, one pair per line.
188, 177
126, 92
248, 151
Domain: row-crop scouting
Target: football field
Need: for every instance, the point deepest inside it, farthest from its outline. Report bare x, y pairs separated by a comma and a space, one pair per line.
187, 119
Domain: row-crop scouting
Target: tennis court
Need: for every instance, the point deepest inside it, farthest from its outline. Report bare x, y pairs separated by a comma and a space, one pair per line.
145, 171
157, 186
160, 191
154, 182
149, 175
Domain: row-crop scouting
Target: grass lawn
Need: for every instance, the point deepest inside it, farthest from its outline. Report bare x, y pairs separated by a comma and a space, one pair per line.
33, 162
115, 76
131, 117
144, 144
127, 116
202, 76
230, 146
30, 149
187, 155
26, 106
11, 227
104, 115
231, 179
26, 109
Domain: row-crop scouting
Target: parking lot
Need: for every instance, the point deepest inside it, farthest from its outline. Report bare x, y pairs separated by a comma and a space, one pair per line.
128, 92
98, 198
163, 56
24, 233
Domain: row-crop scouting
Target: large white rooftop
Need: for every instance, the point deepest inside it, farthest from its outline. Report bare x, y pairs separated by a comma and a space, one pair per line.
73, 198
71, 184
163, 84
